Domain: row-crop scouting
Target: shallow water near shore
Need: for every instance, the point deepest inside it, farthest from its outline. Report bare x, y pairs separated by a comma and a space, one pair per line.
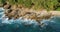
25, 25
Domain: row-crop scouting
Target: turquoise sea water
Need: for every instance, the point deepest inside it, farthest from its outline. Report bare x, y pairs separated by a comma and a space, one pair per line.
24, 25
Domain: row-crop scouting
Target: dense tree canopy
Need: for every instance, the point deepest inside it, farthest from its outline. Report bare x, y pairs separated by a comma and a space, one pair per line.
37, 4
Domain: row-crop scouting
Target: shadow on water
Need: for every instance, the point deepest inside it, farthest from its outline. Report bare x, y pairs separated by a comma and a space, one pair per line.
17, 27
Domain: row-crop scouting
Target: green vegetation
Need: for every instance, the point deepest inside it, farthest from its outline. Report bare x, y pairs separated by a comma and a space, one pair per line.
37, 4
58, 9
2, 1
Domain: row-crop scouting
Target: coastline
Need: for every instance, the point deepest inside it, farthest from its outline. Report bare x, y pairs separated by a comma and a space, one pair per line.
17, 11
31, 14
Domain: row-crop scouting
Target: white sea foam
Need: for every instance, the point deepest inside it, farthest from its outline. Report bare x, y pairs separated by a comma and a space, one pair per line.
1, 13
20, 21
1, 8
5, 20
25, 21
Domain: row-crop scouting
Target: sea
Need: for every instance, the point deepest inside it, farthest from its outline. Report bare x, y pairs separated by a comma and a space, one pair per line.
28, 25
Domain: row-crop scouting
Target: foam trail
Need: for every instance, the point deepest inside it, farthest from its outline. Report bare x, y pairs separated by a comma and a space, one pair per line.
1, 12
29, 21
5, 20
24, 21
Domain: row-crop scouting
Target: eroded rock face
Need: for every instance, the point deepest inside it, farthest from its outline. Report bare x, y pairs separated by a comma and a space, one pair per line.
27, 14
15, 12
31, 15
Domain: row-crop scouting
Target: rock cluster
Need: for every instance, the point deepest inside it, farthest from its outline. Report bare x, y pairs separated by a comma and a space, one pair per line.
15, 11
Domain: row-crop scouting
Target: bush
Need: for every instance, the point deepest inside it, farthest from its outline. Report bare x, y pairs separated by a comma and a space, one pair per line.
2, 1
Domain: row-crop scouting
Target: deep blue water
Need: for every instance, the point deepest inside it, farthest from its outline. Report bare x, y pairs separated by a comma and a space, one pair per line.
20, 25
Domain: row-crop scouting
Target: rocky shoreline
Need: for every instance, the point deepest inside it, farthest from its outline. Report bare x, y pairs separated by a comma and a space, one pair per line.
17, 11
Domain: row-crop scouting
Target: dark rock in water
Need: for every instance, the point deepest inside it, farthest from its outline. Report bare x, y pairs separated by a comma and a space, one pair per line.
9, 18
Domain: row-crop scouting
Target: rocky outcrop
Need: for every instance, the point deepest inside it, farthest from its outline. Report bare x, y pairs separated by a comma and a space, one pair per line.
25, 13
15, 11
